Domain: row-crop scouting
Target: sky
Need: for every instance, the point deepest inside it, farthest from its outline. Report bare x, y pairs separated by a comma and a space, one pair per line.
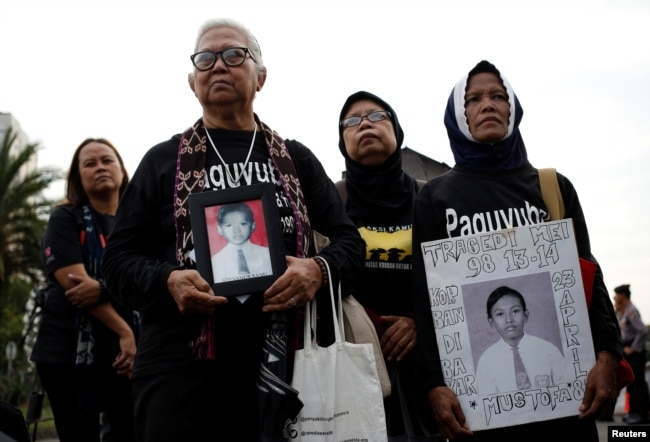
581, 70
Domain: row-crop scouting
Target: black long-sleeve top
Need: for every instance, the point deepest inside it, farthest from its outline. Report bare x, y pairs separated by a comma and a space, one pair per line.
141, 251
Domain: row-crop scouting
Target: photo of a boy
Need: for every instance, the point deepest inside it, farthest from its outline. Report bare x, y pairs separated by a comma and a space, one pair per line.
518, 361
240, 258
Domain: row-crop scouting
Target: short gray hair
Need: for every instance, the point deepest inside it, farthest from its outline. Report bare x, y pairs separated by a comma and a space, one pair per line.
251, 41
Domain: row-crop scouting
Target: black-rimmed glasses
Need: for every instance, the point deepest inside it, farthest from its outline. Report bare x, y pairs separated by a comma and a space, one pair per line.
205, 60
372, 116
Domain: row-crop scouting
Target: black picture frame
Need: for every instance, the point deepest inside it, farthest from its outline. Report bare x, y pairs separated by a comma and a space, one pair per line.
204, 208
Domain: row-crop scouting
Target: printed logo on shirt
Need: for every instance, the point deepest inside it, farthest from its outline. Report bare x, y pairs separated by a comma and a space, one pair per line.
388, 248
482, 222
255, 172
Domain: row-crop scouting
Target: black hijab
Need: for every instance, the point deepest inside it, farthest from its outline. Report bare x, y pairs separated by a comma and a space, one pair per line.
383, 191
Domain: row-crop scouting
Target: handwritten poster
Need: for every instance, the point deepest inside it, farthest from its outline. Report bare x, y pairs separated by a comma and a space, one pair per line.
511, 323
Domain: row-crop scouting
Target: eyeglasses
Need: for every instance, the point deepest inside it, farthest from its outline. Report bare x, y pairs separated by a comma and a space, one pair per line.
372, 116
232, 57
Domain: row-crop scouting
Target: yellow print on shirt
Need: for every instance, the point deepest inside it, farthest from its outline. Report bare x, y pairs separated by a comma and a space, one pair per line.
388, 248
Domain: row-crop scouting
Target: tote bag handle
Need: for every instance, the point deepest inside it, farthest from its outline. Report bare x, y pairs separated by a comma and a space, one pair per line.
337, 315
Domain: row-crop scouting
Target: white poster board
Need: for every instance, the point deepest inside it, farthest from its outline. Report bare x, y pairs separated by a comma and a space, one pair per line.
541, 263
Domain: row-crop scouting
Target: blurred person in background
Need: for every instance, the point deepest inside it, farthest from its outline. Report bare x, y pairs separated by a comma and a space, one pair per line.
633, 333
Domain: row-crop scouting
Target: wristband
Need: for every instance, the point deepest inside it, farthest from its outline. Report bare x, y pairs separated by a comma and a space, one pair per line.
105, 295
323, 270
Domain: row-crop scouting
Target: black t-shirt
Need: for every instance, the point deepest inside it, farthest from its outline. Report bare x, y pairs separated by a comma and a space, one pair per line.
142, 250
56, 341
233, 146
386, 288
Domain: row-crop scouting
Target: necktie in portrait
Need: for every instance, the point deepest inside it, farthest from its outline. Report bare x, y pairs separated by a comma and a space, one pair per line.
243, 267
521, 376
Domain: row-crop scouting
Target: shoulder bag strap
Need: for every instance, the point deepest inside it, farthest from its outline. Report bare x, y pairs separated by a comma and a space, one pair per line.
551, 193
340, 186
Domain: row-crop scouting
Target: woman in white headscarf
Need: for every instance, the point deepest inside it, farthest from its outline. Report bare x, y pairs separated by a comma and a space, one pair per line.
492, 175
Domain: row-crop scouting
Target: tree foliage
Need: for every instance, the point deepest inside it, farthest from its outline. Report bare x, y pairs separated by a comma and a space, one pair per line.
23, 218
23, 210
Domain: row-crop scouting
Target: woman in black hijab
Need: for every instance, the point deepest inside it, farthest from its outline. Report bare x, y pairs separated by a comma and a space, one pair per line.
379, 201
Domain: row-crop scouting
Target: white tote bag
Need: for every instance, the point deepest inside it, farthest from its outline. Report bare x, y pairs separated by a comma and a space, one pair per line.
338, 385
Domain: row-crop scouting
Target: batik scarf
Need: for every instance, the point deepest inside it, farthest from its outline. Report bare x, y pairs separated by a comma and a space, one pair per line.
190, 178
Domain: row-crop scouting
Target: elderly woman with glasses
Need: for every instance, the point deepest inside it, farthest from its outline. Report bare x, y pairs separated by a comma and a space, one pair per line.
197, 372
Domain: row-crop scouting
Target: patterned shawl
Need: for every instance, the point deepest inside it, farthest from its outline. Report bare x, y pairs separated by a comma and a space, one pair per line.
190, 178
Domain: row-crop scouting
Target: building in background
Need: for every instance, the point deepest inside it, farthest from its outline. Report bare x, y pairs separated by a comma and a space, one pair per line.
420, 166
9, 123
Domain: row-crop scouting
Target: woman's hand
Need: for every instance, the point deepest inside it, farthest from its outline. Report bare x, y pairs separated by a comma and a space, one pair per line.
106, 313
600, 391
296, 287
124, 361
85, 291
447, 413
192, 293
399, 338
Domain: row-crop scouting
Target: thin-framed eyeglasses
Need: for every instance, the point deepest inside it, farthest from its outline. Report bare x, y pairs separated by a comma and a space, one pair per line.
372, 116
205, 60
